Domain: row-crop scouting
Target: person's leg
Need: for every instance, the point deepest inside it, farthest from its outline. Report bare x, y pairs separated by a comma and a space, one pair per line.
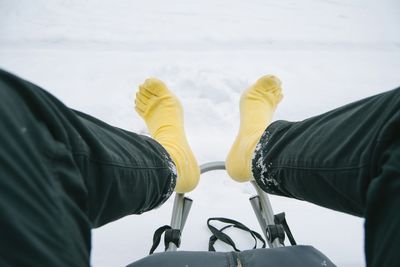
329, 159
63, 172
123, 172
346, 159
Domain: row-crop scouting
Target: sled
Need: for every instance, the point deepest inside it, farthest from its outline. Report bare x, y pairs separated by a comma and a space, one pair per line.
274, 229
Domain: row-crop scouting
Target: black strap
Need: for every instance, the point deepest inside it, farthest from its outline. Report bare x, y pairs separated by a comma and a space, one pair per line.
171, 235
280, 219
275, 231
157, 237
218, 234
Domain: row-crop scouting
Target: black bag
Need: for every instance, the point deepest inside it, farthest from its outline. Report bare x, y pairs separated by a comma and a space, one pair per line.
302, 256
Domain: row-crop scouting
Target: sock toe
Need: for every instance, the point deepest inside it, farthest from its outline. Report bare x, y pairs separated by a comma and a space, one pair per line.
268, 82
155, 87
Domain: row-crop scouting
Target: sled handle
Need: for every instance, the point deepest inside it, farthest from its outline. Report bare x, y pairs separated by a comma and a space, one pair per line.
212, 166
261, 206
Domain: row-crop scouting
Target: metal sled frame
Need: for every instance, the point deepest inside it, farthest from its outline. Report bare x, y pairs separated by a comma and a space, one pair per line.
260, 203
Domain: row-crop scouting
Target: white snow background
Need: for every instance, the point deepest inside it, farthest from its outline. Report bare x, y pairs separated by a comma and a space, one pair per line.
93, 54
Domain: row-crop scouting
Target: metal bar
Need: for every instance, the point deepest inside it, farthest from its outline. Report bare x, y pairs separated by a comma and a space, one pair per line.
187, 205
181, 207
266, 207
266, 210
212, 166
255, 203
176, 219
177, 211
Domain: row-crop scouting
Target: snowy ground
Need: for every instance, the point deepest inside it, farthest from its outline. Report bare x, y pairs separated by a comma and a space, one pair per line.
92, 55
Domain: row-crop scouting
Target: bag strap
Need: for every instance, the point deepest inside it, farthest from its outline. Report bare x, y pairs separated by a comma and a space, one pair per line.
171, 235
280, 219
218, 234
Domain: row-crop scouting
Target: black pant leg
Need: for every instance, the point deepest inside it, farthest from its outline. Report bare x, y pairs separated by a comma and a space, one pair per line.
63, 172
329, 159
40, 223
125, 173
382, 217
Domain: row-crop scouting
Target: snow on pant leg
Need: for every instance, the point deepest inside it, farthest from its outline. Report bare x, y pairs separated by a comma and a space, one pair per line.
329, 159
382, 224
63, 172
41, 222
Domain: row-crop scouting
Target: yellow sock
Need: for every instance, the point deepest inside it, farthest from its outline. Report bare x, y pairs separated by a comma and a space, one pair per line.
257, 106
163, 114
